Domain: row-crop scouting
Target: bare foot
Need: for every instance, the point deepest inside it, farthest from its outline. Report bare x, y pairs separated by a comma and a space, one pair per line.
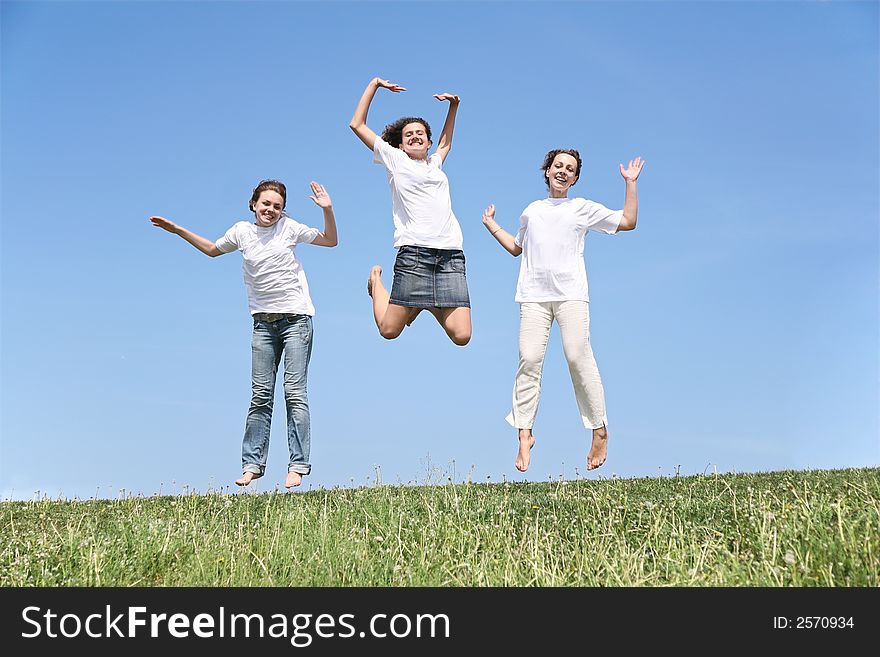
599, 448
526, 442
375, 272
293, 479
247, 478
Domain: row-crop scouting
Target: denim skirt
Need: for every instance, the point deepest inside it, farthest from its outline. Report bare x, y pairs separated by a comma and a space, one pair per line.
429, 278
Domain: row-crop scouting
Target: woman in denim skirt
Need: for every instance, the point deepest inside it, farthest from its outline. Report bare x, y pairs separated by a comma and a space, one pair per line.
282, 310
552, 286
429, 271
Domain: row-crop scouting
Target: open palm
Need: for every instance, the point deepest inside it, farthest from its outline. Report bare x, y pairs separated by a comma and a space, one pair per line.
489, 214
320, 196
633, 169
165, 224
396, 88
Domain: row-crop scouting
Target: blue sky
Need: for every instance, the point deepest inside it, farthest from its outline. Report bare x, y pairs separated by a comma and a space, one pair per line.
736, 329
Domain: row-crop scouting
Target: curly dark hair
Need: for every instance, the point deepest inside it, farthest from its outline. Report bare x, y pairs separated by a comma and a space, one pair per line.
393, 133
548, 160
270, 185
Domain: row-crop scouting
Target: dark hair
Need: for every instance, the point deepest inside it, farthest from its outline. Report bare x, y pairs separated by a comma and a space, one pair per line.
270, 185
548, 160
393, 133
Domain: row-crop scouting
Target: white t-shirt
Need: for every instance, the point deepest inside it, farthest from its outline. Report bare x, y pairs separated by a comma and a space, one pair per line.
274, 278
420, 202
551, 234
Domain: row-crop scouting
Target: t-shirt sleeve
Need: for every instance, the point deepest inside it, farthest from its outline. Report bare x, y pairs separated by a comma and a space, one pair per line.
436, 161
298, 233
229, 242
601, 219
385, 154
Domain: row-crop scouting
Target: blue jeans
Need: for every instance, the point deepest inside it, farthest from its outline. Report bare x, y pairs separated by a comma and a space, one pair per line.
293, 337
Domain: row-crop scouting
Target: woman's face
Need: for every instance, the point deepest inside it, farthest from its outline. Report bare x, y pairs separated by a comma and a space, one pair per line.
562, 174
414, 141
268, 208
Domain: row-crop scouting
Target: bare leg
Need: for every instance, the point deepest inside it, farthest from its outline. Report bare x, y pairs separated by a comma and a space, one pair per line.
293, 479
246, 478
526, 442
390, 318
599, 448
456, 322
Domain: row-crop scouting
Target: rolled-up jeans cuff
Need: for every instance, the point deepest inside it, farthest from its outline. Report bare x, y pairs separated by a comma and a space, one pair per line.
252, 467
300, 468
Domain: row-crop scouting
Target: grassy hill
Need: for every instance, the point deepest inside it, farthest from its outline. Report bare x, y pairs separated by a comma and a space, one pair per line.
811, 528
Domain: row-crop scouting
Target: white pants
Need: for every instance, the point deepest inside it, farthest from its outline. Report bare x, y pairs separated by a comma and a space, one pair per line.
535, 319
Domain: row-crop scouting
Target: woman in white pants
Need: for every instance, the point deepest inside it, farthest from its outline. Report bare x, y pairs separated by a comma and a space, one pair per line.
553, 285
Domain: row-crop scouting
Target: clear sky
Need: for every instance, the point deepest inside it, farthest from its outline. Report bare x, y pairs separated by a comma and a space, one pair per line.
736, 329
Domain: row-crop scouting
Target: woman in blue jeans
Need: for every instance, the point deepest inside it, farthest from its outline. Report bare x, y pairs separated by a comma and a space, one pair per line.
282, 310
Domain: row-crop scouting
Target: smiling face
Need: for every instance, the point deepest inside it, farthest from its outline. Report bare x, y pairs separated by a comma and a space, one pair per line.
414, 141
267, 208
561, 174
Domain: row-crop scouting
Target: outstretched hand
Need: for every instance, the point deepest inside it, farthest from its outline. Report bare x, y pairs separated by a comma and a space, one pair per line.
396, 88
320, 196
489, 214
633, 169
162, 222
455, 100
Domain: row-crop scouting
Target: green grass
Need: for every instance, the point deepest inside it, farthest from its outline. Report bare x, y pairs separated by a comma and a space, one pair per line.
813, 528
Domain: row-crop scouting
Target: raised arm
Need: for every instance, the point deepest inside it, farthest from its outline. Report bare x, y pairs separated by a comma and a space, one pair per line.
631, 200
445, 144
504, 238
359, 120
322, 200
203, 244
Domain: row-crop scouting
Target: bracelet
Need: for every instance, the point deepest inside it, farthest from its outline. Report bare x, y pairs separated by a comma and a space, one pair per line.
492, 232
